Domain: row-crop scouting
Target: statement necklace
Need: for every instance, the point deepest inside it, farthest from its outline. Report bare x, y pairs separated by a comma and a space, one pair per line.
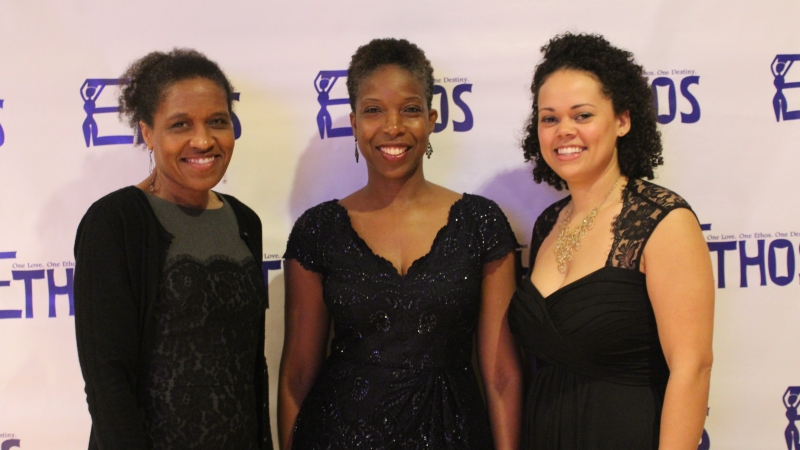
569, 240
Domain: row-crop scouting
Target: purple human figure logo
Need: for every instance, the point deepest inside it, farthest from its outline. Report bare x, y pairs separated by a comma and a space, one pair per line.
780, 66
323, 84
2, 133
791, 399
705, 443
90, 91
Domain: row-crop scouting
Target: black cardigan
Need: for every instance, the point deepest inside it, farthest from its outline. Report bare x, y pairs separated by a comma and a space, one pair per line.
120, 252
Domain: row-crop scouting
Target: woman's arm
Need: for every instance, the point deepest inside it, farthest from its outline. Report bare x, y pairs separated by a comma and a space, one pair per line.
681, 288
107, 332
307, 324
497, 353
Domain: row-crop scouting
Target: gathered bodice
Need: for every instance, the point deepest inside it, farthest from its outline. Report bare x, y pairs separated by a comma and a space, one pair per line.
601, 372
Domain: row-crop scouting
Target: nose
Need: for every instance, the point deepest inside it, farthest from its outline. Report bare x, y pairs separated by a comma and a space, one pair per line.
202, 139
565, 129
393, 125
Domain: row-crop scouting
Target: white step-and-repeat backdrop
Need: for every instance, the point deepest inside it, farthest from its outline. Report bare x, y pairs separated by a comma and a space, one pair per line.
726, 77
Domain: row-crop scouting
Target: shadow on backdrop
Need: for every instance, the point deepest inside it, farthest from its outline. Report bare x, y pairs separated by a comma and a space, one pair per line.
521, 199
102, 172
327, 169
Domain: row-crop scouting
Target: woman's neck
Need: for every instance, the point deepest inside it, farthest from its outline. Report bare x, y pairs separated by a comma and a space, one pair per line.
183, 197
592, 193
381, 192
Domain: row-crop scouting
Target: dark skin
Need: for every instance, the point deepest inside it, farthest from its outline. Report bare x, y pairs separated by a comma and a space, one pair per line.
398, 214
192, 143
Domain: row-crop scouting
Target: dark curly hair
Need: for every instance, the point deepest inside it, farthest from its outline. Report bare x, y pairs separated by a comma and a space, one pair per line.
621, 80
148, 77
381, 52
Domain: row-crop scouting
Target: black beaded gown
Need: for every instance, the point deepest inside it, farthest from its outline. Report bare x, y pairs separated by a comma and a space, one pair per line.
600, 373
399, 375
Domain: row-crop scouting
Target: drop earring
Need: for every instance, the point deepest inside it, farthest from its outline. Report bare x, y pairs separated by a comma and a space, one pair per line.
356, 139
152, 173
429, 151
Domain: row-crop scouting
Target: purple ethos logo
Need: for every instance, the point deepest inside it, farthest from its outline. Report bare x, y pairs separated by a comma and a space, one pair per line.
780, 68
705, 443
2, 133
324, 83
665, 95
8, 441
767, 255
331, 97
791, 400
59, 279
91, 92
27, 273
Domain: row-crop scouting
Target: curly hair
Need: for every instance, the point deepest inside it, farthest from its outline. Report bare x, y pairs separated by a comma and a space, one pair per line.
381, 52
149, 77
622, 81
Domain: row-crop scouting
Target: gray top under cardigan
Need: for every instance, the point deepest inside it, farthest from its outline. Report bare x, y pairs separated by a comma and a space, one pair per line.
120, 251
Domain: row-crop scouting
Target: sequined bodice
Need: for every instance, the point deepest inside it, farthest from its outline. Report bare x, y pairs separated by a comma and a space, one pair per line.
401, 342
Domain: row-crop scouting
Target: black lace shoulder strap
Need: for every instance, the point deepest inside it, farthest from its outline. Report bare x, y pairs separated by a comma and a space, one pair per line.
644, 205
544, 224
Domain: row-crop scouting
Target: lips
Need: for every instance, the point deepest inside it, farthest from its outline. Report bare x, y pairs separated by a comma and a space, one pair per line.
393, 150
569, 150
201, 162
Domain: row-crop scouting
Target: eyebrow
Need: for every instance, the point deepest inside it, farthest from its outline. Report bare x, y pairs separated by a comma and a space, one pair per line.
413, 97
182, 115
573, 107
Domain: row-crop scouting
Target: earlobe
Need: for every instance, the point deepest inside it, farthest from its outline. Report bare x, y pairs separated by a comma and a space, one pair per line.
147, 133
353, 122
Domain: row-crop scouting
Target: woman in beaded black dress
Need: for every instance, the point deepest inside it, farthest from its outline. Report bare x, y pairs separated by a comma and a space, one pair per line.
169, 293
410, 274
617, 310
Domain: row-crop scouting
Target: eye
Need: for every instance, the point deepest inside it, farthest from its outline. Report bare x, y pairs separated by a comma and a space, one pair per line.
414, 109
180, 124
547, 119
584, 116
218, 122
371, 110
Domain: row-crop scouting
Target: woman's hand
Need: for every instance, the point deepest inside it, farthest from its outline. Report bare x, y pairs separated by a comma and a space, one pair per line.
307, 324
497, 353
680, 283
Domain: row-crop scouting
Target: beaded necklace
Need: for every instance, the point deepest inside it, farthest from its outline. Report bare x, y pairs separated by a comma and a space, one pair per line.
569, 240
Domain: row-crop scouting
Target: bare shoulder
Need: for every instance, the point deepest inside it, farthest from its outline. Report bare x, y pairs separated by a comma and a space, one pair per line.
678, 223
677, 237
442, 197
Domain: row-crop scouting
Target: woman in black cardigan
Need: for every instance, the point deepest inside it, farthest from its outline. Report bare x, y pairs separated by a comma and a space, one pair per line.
169, 293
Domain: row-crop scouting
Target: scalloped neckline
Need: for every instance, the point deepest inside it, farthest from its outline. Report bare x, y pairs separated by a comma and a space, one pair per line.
385, 261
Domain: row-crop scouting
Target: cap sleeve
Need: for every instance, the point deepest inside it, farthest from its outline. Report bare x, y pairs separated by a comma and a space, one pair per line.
305, 241
497, 238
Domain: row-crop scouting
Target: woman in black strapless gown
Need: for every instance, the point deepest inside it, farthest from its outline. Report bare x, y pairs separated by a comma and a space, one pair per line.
410, 274
617, 311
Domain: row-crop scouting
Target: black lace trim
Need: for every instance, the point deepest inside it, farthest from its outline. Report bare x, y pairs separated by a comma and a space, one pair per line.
644, 205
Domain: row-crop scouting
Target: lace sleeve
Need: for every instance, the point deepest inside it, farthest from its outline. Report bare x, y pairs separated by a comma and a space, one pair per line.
644, 206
